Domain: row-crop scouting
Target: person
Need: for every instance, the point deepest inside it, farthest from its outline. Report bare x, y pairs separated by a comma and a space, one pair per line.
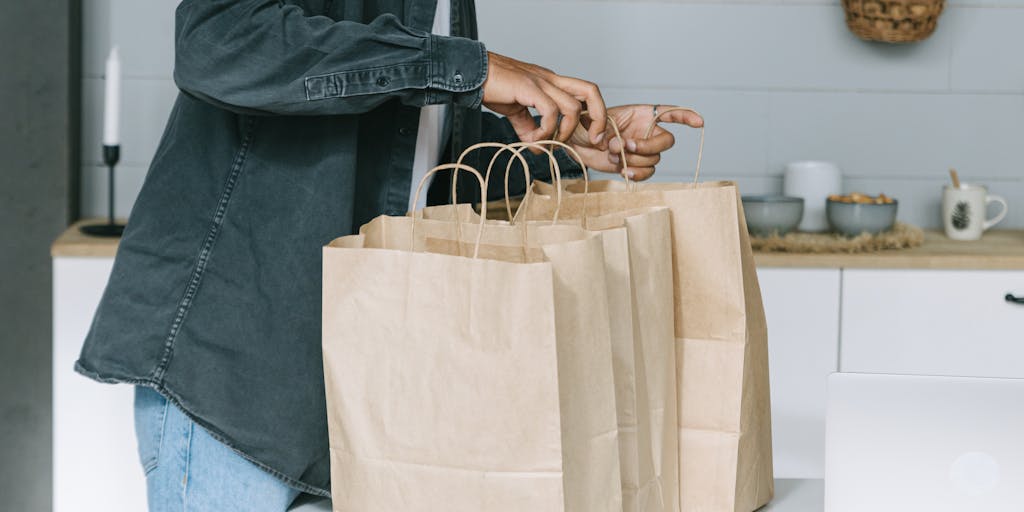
296, 123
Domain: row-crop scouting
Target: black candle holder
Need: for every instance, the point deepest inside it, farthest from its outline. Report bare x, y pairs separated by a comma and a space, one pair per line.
111, 155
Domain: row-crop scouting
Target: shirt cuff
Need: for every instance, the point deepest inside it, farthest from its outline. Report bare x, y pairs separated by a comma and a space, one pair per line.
458, 70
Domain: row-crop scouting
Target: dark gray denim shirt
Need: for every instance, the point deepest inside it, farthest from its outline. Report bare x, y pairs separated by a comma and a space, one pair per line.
296, 123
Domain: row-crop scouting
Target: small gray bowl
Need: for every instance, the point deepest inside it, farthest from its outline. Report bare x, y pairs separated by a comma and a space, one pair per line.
854, 219
770, 215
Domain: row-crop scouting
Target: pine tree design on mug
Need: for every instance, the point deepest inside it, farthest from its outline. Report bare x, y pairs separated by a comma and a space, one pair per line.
961, 215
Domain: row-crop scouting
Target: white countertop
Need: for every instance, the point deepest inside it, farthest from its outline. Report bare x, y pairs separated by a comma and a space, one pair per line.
797, 496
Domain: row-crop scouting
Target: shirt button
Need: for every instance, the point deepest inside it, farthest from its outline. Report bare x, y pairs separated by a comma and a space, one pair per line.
457, 79
404, 131
383, 81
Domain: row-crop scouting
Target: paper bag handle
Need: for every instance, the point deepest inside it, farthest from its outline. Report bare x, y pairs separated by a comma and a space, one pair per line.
517, 154
475, 147
556, 178
516, 149
700, 150
458, 224
556, 174
622, 152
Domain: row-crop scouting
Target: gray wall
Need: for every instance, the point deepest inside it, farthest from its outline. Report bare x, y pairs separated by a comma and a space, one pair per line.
778, 80
144, 33
37, 141
782, 80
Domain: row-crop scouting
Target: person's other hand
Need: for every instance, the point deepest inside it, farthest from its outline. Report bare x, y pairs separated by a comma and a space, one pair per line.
642, 155
513, 86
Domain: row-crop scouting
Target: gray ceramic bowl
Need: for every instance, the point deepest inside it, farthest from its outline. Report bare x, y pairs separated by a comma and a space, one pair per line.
768, 215
853, 219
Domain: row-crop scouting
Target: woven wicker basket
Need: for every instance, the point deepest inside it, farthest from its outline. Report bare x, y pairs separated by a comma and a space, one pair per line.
893, 21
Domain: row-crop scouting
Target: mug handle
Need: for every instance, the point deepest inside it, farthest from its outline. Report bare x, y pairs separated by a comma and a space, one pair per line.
1002, 215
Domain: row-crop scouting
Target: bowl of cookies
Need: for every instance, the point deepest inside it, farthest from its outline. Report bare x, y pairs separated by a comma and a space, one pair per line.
855, 214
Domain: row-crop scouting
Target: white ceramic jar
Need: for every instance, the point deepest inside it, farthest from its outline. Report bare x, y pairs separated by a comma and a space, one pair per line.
814, 181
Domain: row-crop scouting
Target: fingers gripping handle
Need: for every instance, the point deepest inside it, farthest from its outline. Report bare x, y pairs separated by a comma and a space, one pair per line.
622, 147
653, 124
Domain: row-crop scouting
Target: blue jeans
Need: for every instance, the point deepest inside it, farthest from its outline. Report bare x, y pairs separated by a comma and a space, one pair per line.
188, 470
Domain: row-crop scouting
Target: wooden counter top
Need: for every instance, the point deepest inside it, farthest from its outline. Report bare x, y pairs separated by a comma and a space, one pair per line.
999, 250
72, 243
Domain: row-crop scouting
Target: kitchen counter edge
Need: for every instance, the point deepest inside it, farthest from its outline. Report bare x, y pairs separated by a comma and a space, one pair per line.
999, 250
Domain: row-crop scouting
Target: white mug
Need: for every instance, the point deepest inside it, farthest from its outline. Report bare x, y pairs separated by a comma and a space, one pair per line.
964, 211
814, 182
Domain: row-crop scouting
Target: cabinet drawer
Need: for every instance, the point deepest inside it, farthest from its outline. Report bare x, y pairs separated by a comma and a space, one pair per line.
924, 322
802, 309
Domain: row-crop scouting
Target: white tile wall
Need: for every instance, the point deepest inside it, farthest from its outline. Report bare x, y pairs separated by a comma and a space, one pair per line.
144, 34
778, 80
784, 80
986, 48
145, 104
710, 45
127, 182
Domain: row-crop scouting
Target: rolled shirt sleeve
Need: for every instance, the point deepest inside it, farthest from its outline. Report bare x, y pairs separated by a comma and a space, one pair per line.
263, 57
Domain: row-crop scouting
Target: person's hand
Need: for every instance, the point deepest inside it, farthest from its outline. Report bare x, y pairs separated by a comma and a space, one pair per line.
642, 155
513, 86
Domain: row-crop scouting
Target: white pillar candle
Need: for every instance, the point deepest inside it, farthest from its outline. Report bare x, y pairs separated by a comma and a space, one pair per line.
112, 100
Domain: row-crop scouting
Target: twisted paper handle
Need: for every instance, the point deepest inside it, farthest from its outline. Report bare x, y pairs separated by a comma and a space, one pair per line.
458, 224
700, 150
556, 177
515, 155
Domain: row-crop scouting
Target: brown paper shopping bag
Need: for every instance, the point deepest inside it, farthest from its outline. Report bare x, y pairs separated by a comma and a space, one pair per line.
641, 241
468, 369
638, 262
722, 358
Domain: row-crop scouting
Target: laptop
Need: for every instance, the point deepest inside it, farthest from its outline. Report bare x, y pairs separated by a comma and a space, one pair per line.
936, 444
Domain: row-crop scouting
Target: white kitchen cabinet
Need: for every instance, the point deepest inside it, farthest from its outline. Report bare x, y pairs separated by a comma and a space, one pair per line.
932, 322
802, 309
95, 462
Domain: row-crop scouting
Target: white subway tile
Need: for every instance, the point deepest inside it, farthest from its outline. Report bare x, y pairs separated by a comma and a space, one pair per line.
985, 3
96, 34
754, 185
900, 135
986, 49
127, 183
746, 46
143, 31
145, 106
